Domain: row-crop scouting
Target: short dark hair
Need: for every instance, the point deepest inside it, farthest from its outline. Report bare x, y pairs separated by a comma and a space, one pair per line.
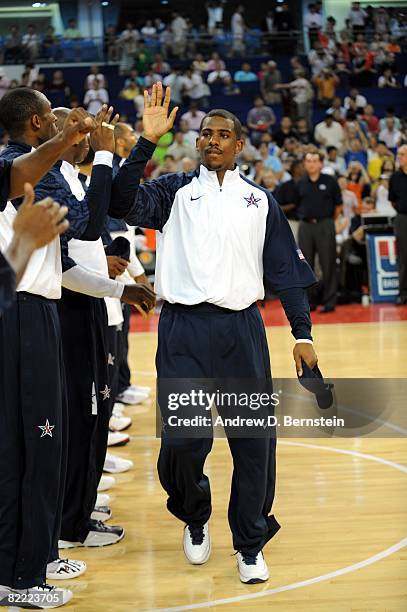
331, 148
316, 152
221, 112
17, 106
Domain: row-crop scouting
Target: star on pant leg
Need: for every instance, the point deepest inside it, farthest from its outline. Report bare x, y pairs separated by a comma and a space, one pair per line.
105, 393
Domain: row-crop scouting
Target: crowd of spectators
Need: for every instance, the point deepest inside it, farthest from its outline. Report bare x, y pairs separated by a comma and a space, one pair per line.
358, 149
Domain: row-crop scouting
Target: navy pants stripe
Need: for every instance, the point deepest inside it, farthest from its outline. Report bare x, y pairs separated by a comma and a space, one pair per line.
205, 341
84, 333
32, 462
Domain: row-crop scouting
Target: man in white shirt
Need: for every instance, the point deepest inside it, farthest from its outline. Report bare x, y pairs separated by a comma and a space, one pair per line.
357, 17
390, 135
95, 97
329, 133
194, 116
238, 28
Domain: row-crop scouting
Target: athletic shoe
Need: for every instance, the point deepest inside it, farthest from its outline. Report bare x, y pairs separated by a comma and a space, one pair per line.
118, 409
38, 597
131, 397
106, 482
119, 423
116, 438
252, 568
139, 389
197, 543
101, 513
65, 569
115, 465
99, 535
103, 499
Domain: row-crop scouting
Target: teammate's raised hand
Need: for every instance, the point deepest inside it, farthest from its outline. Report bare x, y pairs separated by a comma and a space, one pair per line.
77, 124
102, 138
156, 120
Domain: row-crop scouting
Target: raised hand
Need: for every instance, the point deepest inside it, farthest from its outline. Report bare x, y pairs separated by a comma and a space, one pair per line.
77, 124
156, 120
102, 137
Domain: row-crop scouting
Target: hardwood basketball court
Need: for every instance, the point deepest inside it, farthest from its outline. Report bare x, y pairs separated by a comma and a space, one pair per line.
342, 503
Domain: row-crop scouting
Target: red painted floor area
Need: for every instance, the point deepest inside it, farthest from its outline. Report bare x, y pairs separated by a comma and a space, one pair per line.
273, 314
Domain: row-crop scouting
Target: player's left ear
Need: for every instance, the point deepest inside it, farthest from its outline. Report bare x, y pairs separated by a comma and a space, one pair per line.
239, 146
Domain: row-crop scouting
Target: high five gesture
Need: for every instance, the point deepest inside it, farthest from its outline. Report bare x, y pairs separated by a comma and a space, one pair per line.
156, 120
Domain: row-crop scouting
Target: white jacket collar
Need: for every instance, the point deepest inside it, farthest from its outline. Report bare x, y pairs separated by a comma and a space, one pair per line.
210, 176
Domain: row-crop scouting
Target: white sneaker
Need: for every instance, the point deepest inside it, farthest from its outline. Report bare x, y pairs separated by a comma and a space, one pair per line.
103, 499
101, 513
99, 535
197, 544
37, 597
106, 483
115, 465
140, 389
116, 438
252, 569
119, 423
118, 409
65, 569
129, 396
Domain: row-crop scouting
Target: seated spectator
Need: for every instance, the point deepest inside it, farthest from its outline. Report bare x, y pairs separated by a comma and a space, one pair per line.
31, 43
143, 58
387, 79
393, 46
377, 157
133, 92
285, 131
160, 66
219, 75
49, 43
326, 83
195, 88
199, 63
180, 149
372, 122
270, 78
355, 101
356, 152
194, 116
127, 42
270, 161
269, 180
30, 74
150, 78
390, 112
358, 182
381, 20
134, 77
190, 136
349, 200
95, 97
390, 135
176, 81
188, 164
95, 74
319, 59
13, 46
148, 30
302, 133
334, 161
329, 133
72, 32
169, 166
58, 83
383, 205
214, 62
245, 74
260, 119
111, 46
337, 109
343, 73
249, 152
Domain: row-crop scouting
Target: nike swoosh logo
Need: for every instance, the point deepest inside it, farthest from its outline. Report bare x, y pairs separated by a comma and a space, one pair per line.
193, 199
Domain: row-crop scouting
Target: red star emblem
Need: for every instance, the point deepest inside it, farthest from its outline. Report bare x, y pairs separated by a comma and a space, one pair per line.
252, 201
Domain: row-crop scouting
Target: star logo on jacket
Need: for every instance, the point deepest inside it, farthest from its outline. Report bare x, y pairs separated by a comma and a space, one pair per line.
252, 201
46, 429
110, 359
105, 393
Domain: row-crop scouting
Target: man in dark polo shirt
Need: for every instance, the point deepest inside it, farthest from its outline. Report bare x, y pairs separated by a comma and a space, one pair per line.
398, 197
286, 195
318, 199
